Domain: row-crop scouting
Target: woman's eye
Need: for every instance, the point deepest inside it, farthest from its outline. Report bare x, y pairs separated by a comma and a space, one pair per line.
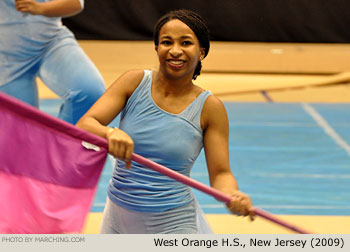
165, 42
187, 42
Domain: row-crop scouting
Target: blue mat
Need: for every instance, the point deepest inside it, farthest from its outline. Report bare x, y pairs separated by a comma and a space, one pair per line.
289, 157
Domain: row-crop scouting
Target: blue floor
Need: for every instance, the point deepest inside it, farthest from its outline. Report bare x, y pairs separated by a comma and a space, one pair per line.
288, 159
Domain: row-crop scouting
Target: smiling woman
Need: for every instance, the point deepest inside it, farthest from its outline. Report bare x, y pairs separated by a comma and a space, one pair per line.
187, 34
153, 104
179, 48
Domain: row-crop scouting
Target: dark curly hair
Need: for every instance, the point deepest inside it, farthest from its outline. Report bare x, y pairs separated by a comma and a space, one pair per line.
197, 25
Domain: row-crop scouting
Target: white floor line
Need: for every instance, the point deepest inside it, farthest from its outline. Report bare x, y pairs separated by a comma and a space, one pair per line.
304, 175
222, 206
304, 207
216, 206
326, 127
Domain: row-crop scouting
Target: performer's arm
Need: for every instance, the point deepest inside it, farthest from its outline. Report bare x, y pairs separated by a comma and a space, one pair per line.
215, 123
106, 109
55, 8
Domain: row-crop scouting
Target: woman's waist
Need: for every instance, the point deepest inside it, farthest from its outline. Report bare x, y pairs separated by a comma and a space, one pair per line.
151, 182
149, 199
33, 31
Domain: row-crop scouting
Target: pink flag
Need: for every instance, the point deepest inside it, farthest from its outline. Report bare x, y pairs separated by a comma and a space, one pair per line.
49, 171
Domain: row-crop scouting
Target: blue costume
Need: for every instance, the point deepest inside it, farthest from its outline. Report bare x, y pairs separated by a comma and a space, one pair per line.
35, 45
142, 200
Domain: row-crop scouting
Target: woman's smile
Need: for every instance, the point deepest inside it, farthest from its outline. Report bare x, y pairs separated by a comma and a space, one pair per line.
176, 64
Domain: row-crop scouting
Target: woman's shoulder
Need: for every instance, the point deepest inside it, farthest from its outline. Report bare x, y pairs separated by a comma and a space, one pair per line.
129, 81
213, 103
213, 110
134, 75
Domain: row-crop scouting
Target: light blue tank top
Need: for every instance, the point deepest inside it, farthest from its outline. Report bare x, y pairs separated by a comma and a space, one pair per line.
25, 38
172, 140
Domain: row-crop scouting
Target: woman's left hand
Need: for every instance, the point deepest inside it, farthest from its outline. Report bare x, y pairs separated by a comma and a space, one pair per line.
241, 205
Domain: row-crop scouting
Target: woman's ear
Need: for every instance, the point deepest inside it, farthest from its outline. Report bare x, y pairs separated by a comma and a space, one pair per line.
156, 48
202, 54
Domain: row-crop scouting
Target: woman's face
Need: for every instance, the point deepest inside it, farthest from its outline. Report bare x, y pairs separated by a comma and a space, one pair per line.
178, 50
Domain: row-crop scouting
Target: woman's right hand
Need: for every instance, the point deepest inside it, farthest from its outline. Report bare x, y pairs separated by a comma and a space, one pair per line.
120, 145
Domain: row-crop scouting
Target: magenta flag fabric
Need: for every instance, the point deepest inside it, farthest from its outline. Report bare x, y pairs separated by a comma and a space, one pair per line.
49, 170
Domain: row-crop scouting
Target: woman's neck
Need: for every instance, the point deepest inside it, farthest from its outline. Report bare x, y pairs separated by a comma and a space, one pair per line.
173, 87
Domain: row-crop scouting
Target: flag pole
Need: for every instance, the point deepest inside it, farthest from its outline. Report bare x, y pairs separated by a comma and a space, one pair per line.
209, 190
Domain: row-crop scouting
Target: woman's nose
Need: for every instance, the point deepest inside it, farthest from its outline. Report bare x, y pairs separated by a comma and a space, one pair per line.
176, 50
